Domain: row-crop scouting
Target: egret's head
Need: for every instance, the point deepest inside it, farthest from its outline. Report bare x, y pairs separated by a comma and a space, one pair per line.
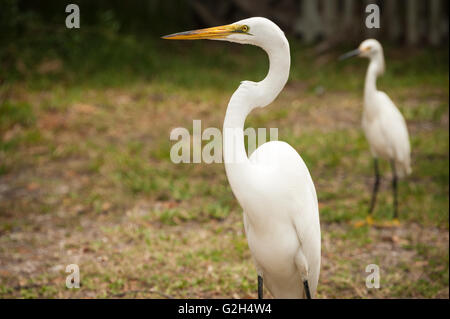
257, 31
370, 49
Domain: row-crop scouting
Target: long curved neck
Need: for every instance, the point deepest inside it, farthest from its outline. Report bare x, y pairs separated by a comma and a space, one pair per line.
370, 86
278, 75
245, 98
376, 68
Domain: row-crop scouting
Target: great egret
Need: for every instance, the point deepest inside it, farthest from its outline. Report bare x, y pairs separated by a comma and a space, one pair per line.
273, 186
383, 124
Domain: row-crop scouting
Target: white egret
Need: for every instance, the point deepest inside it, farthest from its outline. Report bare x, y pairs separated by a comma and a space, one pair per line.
383, 124
273, 186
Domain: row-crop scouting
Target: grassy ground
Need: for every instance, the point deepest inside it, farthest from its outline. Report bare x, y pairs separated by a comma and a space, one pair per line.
86, 177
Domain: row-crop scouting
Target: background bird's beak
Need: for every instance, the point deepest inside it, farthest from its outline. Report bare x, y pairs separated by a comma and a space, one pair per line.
208, 33
350, 54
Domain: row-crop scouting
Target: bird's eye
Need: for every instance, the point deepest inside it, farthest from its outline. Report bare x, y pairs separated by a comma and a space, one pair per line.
368, 48
245, 28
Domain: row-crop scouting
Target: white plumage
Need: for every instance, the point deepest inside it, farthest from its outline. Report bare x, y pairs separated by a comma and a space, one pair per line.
386, 131
273, 186
383, 124
281, 221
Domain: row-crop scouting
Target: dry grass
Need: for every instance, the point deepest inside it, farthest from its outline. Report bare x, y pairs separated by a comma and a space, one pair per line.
85, 178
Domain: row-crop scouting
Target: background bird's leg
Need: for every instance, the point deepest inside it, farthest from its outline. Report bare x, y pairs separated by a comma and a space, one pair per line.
307, 292
394, 188
260, 287
375, 185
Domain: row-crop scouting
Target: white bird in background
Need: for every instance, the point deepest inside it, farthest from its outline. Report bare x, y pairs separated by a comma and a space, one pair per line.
383, 124
273, 186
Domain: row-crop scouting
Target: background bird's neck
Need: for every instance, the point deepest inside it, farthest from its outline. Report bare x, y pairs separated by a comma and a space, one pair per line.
376, 68
370, 86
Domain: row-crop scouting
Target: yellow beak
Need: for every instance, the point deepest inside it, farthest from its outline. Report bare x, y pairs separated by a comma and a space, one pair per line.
208, 33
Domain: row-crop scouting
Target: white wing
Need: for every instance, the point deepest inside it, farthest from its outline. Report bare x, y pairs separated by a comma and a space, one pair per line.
395, 131
292, 187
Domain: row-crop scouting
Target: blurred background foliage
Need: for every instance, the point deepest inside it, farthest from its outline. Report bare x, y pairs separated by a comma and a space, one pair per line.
119, 41
109, 36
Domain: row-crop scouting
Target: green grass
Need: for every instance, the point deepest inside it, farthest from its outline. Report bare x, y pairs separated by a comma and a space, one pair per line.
85, 161
15, 114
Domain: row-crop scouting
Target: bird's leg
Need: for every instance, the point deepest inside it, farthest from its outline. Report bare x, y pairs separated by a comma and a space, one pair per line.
375, 185
260, 287
307, 292
302, 266
394, 188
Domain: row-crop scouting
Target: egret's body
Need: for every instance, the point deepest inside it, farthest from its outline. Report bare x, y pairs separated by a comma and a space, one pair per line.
281, 219
273, 186
385, 129
383, 124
